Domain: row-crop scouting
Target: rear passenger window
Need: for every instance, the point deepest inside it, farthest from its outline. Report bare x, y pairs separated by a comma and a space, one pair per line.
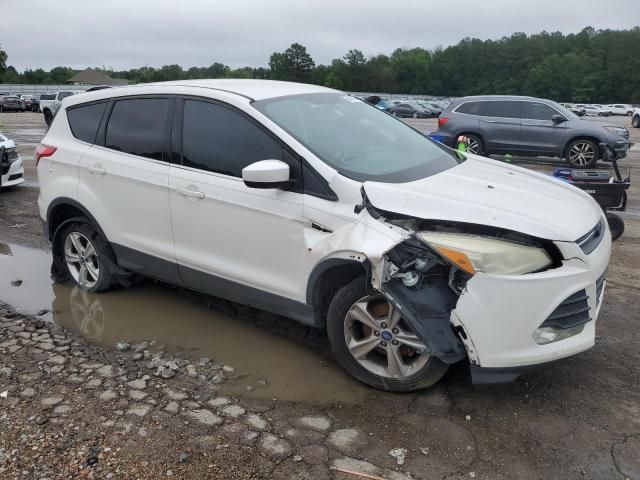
85, 120
537, 111
501, 109
470, 108
217, 139
136, 126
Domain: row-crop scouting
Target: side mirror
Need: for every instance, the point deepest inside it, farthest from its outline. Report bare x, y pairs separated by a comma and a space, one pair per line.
266, 174
557, 118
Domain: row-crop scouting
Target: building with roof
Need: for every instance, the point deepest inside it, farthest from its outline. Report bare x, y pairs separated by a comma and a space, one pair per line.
90, 76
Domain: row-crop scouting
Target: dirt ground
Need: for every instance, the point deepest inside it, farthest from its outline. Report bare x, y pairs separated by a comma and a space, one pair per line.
153, 382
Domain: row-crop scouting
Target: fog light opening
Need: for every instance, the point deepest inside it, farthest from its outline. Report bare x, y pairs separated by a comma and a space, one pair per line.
545, 335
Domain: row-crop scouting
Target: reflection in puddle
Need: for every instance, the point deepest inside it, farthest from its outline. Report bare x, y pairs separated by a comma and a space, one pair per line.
156, 312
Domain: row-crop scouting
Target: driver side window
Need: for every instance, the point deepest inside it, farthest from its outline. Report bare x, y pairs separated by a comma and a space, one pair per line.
220, 140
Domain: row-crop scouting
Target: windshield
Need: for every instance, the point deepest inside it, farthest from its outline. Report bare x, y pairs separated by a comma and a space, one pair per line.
564, 111
358, 140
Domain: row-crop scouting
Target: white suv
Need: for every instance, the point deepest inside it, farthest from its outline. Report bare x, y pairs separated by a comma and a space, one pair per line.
307, 202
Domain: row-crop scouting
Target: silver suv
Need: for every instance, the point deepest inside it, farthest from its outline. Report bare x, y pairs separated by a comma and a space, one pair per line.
528, 126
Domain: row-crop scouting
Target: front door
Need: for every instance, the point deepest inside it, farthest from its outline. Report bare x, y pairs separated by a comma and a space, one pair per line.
539, 134
241, 243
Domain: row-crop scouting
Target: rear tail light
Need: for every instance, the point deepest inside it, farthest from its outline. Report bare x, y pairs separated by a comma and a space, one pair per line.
43, 151
442, 121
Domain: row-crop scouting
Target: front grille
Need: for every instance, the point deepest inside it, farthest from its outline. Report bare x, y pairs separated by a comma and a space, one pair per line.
15, 176
590, 241
573, 311
600, 286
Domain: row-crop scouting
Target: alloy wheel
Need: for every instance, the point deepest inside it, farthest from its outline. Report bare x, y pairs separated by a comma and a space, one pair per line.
82, 260
381, 341
473, 145
582, 154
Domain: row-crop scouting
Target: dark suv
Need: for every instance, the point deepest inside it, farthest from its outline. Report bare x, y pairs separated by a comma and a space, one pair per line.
528, 126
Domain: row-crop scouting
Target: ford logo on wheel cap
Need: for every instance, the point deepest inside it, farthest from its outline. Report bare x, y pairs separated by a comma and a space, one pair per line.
386, 335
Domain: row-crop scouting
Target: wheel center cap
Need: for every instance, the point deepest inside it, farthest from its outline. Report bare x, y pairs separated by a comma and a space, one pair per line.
386, 335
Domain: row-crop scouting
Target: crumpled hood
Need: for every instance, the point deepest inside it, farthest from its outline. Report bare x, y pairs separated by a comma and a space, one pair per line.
487, 192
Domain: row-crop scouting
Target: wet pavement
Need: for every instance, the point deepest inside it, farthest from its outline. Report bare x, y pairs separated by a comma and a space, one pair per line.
165, 314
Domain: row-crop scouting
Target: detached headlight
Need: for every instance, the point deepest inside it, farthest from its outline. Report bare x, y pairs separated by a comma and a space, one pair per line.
474, 254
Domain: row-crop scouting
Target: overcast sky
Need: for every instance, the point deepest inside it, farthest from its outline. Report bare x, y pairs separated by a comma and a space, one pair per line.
123, 34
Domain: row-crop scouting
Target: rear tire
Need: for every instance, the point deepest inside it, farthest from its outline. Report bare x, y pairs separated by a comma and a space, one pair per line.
629, 114
476, 145
85, 257
616, 225
424, 371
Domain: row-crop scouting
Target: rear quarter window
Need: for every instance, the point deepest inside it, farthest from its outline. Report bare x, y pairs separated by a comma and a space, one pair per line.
469, 108
85, 120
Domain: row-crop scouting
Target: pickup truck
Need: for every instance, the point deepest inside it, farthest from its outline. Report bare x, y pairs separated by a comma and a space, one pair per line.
49, 107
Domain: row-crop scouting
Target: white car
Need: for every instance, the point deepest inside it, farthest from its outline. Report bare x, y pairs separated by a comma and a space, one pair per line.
11, 169
620, 109
309, 203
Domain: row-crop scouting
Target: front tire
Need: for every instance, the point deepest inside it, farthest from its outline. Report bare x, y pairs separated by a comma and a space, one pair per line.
376, 345
635, 123
616, 225
582, 153
86, 257
48, 117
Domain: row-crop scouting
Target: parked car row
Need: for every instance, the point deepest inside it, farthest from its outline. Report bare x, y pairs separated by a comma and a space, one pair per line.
529, 126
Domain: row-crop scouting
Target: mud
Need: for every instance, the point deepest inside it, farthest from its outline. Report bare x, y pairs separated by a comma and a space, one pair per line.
157, 312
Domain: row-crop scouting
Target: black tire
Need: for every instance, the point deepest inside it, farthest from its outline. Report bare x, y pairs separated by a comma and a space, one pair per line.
478, 139
104, 253
427, 376
616, 225
48, 117
629, 114
635, 122
576, 164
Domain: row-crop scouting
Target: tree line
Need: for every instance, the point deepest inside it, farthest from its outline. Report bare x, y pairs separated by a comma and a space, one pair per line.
600, 66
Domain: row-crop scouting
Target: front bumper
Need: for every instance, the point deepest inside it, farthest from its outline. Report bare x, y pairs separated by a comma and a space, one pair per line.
500, 314
15, 175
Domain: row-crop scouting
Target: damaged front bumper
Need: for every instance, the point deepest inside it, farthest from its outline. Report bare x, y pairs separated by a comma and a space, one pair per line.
500, 314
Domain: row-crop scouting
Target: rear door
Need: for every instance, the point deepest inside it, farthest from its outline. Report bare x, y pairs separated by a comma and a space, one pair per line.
539, 134
124, 181
499, 125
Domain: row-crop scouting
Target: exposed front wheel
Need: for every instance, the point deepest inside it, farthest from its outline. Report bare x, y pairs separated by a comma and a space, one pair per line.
582, 153
636, 121
374, 343
48, 117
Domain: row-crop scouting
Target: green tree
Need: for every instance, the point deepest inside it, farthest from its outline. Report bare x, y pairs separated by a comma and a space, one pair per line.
294, 64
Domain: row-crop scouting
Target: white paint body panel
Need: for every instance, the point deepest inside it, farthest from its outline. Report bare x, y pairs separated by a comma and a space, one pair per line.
15, 167
264, 239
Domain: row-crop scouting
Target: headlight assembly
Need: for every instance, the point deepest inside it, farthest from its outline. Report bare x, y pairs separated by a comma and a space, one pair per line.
473, 253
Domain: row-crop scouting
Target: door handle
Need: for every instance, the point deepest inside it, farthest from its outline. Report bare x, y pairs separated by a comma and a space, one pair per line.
98, 170
187, 192
490, 121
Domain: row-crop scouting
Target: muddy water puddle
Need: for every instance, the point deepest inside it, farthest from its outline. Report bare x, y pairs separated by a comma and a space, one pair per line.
156, 312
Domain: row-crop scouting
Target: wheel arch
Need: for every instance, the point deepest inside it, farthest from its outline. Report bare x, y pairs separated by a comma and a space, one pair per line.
327, 277
63, 209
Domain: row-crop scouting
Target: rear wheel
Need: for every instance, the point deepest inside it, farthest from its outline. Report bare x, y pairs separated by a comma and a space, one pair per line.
616, 225
376, 345
86, 257
474, 144
629, 114
582, 153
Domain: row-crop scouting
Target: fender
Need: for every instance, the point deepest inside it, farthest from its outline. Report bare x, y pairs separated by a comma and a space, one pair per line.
327, 264
73, 203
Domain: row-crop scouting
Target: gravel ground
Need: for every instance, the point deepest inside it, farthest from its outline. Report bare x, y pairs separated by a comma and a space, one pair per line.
73, 409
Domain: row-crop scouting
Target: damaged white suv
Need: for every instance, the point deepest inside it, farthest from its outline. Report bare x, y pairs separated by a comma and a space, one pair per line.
307, 202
